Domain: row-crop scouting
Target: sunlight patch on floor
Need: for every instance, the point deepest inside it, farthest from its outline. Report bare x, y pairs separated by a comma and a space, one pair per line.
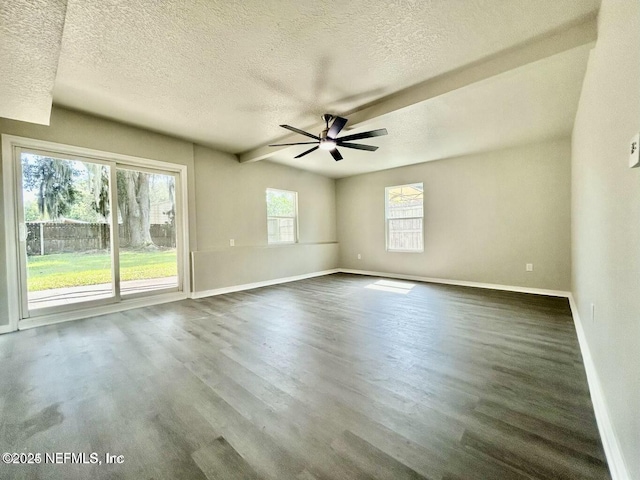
391, 286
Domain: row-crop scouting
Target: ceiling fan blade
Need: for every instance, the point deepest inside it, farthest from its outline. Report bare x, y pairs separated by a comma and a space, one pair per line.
335, 154
285, 144
337, 125
308, 151
301, 132
357, 146
359, 136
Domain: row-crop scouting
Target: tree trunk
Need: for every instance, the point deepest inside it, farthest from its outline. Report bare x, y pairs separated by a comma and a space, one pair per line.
137, 209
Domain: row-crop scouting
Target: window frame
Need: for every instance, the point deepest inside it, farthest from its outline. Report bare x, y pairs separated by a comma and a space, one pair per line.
295, 216
387, 218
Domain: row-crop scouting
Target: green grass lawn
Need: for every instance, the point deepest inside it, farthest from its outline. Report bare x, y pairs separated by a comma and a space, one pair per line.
78, 269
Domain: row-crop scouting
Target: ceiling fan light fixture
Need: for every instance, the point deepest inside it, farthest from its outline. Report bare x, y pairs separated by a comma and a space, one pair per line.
327, 144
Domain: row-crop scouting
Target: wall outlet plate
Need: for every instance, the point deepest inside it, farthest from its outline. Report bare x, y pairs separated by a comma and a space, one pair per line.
634, 151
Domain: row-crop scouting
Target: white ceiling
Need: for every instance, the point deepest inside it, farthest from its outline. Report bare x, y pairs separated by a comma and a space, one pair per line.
226, 74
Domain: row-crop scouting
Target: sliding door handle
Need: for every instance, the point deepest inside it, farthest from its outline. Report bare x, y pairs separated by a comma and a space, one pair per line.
22, 232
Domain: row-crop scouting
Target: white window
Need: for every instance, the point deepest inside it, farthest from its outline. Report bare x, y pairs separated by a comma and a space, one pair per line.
282, 216
404, 208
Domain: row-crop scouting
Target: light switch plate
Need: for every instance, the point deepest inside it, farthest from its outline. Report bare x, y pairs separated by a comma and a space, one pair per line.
634, 152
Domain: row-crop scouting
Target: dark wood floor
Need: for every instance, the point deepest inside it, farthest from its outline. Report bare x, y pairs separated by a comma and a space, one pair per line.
316, 379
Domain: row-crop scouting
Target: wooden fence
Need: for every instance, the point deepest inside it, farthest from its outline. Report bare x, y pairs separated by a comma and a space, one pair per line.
48, 238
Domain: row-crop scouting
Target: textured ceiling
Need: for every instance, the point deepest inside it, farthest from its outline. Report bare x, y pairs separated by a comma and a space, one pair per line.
30, 37
532, 103
226, 74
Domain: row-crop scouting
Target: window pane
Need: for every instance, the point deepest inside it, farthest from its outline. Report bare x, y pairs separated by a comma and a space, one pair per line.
405, 234
281, 230
281, 203
405, 201
281, 216
404, 210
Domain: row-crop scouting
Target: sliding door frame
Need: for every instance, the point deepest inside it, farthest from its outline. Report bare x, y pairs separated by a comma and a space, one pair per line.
11, 149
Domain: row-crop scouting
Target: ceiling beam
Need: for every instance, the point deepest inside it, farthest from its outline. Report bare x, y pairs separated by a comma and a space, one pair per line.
567, 38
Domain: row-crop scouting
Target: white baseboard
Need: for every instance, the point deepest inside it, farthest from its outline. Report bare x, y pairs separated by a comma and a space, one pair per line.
610, 443
6, 329
462, 283
265, 283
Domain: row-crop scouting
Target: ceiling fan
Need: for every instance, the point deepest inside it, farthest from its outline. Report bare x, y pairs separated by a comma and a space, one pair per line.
328, 138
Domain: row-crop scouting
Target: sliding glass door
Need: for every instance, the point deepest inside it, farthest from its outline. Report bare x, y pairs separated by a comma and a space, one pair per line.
92, 231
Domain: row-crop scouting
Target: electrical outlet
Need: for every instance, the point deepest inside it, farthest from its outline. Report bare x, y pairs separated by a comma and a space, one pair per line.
232, 242
593, 312
359, 257
529, 267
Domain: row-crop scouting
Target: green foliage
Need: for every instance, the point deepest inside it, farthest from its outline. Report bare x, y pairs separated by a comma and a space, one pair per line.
75, 270
83, 208
52, 180
31, 212
281, 204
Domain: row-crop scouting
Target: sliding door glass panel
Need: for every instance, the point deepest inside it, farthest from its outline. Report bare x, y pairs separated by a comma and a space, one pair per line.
65, 231
147, 231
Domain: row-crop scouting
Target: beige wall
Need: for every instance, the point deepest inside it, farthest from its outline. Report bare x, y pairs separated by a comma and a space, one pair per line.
486, 216
226, 200
606, 217
230, 201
